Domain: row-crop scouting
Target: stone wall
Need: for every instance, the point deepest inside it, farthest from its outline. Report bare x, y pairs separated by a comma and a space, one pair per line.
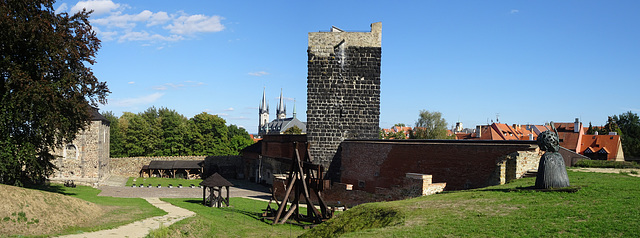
343, 89
86, 159
460, 164
130, 166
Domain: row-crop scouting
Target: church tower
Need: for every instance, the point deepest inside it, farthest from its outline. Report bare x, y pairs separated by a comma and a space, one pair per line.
263, 115
281, 111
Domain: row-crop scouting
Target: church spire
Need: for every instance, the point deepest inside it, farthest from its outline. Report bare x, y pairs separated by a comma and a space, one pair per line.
281, 111
294, 108
264, 107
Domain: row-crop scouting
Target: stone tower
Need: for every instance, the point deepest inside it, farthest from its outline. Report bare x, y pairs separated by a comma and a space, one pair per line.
263, 114
343, 89
86, 159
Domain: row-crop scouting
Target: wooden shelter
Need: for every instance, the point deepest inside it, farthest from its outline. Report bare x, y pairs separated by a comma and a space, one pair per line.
169, 169
215, 183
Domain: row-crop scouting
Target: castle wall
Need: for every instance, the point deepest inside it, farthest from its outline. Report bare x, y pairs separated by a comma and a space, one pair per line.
343, 89
368, 165
85, 159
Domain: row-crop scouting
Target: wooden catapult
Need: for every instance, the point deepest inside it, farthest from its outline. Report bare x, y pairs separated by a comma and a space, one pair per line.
304, 179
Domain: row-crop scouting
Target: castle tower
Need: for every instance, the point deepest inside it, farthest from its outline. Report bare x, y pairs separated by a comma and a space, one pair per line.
343, 89
281, 111
263, 115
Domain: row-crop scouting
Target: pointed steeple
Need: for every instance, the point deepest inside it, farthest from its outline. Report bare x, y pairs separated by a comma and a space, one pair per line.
281, 111
294, 108
264, 107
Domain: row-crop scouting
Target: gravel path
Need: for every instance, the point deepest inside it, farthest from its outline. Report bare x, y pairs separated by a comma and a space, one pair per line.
152, 195
142, 228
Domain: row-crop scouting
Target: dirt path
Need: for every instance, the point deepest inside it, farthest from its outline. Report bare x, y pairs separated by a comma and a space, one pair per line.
142, 228
636, 172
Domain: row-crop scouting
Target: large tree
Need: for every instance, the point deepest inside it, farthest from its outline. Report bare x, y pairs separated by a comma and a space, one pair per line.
629, 124
46, 85
430, 125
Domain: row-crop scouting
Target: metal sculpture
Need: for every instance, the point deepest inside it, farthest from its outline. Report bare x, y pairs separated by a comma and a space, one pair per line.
552, 172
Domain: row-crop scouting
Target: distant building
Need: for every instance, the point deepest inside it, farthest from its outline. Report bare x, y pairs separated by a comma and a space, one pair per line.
281, 123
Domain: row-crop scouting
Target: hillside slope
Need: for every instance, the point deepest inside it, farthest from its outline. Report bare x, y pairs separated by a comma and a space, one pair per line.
31, 212
606, 205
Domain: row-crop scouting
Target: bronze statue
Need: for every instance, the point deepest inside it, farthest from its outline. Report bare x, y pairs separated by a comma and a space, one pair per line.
551, 170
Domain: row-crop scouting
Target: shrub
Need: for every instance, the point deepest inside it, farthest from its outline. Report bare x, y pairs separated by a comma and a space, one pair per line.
607, 164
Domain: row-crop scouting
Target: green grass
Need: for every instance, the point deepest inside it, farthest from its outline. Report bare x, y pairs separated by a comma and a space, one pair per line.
242, 219
607, 164
119, 211
164, 182
606, 205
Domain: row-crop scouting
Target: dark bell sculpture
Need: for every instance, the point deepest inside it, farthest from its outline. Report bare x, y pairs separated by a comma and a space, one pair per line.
551, 169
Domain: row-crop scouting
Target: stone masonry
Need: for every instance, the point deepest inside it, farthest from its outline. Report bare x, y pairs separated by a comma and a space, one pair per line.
86, 159
343, 89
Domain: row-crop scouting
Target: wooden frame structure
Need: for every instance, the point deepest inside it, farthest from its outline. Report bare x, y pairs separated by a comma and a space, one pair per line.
215, 183
303, 180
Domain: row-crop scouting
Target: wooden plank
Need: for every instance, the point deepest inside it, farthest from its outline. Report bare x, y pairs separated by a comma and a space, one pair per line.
286, 216
286, 197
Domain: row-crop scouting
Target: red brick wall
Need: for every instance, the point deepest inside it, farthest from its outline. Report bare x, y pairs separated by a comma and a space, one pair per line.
460, 164
281, 146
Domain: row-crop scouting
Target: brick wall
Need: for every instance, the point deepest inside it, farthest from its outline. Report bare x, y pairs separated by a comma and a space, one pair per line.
459, 164
343, 89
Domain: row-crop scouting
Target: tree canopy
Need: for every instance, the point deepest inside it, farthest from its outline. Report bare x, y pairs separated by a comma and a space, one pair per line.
430, 125
294, 130
47, 87
165, 132
629, 126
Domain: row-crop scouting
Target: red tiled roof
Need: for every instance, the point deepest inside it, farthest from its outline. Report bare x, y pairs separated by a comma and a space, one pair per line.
610, 143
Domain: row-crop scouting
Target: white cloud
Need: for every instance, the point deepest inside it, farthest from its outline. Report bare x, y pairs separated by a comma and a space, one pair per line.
142, 100
99, 7
131, 82
222, 114
62, 8
146, 36
190, 24
514, 11
259, 73
116, 24
230, 109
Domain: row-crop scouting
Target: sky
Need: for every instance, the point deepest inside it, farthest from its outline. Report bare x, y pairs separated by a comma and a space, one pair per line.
518, 62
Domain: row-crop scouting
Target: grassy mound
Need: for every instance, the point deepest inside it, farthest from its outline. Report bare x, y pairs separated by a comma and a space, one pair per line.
606, 205
363, 217
31, 212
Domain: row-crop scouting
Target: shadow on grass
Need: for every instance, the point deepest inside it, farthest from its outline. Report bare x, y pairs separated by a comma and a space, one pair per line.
53, 188
570, 189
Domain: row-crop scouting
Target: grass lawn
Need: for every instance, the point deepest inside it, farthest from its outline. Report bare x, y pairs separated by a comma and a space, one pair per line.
242, 219
607, 205
119, 211
164, 182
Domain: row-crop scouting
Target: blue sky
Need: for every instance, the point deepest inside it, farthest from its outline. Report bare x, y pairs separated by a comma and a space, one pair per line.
526, 61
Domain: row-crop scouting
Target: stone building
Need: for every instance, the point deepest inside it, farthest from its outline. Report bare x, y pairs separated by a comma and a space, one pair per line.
343, 89
281, 123
86, 159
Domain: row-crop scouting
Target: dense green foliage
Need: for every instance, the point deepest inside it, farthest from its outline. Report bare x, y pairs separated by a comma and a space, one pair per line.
164, 132
294, 130
242, 219
430, 125
627, 125
607, 205
585, 163
46, 85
